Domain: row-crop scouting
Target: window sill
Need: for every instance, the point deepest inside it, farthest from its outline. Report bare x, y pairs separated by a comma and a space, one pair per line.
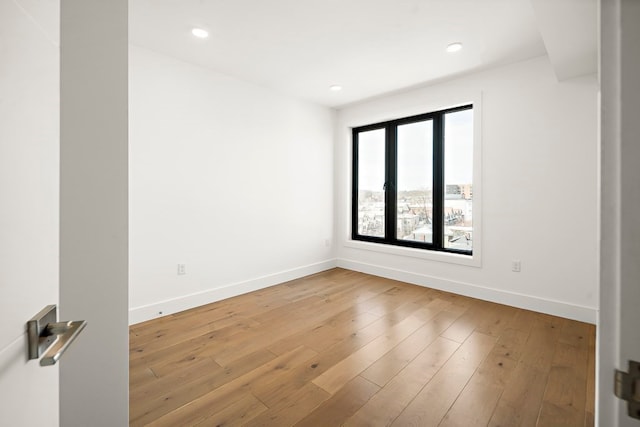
451, 258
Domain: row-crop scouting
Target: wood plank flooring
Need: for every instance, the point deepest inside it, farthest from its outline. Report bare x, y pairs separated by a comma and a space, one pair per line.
346, 348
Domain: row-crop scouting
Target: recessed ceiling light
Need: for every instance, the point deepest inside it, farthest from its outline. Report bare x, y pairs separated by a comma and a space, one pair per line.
454, 47
200, 33
335, 88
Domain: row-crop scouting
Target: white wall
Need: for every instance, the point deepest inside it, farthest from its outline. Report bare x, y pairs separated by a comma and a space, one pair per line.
233, 180
29, 142
539, 190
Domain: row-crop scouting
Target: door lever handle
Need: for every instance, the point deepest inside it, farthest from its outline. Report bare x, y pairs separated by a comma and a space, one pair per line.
58, 328
48, 335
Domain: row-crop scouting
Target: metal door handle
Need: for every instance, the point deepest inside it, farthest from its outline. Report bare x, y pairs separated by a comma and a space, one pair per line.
47, 334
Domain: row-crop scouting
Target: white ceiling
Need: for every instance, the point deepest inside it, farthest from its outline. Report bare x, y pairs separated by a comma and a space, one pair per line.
370, 47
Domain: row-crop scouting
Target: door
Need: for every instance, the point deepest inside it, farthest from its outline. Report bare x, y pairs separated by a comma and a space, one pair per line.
94, 259
618, 329
29, 170
64, 207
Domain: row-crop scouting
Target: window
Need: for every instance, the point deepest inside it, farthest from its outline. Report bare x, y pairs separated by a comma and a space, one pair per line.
413, 181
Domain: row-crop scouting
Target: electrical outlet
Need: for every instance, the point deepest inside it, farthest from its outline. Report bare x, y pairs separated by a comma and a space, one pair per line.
327, 242
182, 269
515, 266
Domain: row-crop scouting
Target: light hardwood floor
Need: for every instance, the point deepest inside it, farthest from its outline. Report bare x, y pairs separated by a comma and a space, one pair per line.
345, 348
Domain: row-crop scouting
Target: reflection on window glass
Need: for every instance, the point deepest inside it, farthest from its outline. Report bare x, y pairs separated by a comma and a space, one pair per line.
415, 182
371, 176
458, 180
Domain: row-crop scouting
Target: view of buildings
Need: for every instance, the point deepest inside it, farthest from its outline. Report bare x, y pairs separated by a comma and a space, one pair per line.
414, 180
415, 212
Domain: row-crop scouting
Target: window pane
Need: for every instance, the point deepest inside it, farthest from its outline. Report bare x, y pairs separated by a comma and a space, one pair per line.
458, 180
415, 182
371, 176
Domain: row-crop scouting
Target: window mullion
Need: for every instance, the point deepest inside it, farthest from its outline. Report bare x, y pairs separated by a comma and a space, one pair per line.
391, 179
438, 183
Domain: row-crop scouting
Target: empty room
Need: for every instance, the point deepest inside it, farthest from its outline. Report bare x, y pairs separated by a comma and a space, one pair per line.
318, 213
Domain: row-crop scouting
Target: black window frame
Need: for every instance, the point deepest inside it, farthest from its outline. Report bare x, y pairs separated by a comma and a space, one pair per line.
390, 192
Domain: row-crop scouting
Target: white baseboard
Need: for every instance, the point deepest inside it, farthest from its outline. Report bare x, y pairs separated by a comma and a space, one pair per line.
175, 305
541, 305
556, 308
